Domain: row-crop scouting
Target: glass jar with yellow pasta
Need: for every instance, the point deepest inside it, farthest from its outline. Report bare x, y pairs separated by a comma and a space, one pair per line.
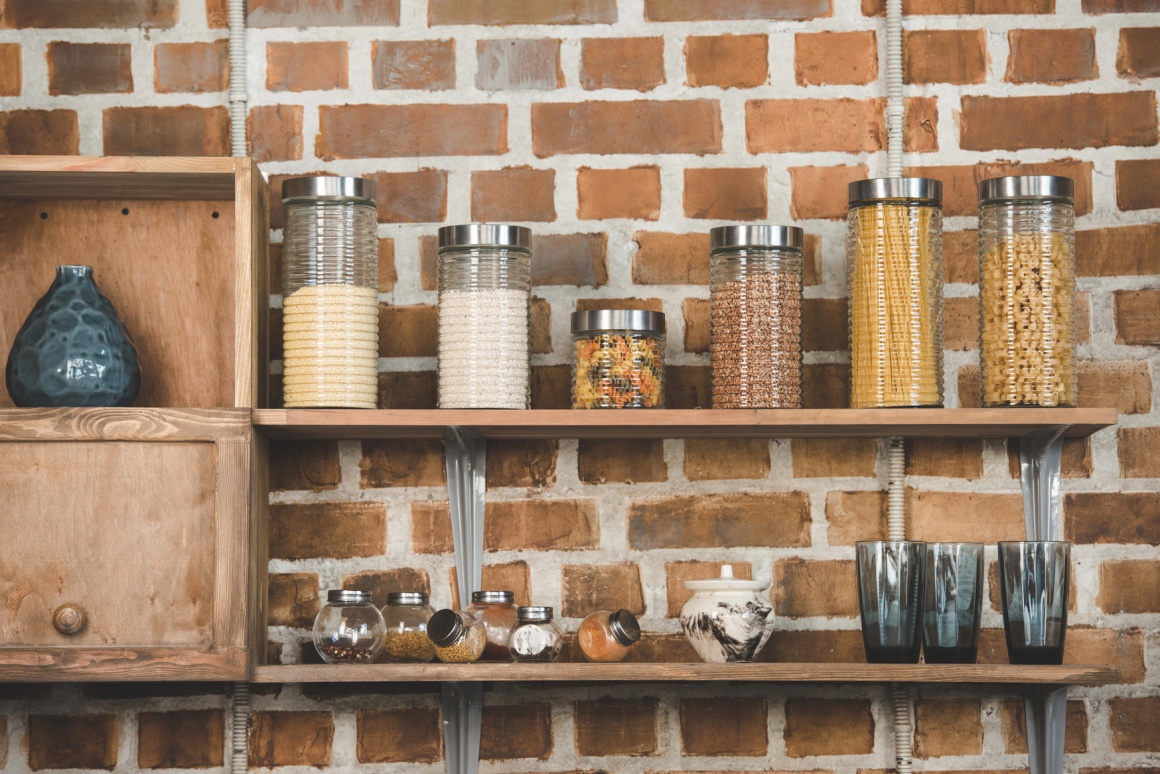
1027, 290
618, 359
894, 258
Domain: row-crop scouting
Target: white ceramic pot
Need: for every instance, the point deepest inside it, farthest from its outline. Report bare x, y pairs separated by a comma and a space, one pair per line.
727, 619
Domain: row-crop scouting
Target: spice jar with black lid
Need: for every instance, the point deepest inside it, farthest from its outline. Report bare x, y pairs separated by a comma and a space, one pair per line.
349, 629
535, 638
606, 636
497, 611
406, 616
458, 636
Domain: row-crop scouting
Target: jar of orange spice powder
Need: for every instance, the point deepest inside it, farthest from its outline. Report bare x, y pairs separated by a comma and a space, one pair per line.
606, 636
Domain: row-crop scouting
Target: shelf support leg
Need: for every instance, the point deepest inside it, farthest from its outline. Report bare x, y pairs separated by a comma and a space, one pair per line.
1040, 454
1046, 710
462, 720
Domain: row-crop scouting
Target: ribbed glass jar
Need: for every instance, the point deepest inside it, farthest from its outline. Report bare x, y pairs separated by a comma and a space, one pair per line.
894, 258
1027, 291
485, 296
330, 281
755, 276
618, 359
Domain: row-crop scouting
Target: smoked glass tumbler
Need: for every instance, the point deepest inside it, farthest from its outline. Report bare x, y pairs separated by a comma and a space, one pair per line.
953, 603
1033, 578
890, 596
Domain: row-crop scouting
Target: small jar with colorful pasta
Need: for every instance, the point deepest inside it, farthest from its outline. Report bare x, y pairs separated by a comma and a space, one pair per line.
894, 257
618, 359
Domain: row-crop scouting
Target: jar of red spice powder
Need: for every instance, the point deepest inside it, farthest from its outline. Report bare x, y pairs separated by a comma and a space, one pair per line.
605, 636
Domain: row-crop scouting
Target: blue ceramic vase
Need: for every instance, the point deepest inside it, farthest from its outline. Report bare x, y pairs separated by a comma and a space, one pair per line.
73, 350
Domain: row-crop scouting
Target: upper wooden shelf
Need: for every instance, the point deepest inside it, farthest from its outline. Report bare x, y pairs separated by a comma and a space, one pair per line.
121, 177
667, 672
682, 423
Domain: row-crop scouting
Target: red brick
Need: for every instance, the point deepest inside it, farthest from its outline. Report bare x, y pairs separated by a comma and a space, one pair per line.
1014, 724
638, 126
961, 197
825, 325
275, 133
72, 742
512, 576
522, 463
1133, 724
293, 599
516, 731
1139, 54
952, 457
814, 63
3, 740
1121, 517
1051, 56
316, 530
537, 525
724, 727
833, 457
821, 192
618, 193
10, 70
312, 66
1137, 447
1118, 251
670, 259
1059, 121
804, 588
728, 61
695, 313
616, 727
726, 521
291, 739
944, 56
588, 587
825, 385
725, 10
1120, 6
311, 465
516, 193
411, 197
622, 462
112, 14
413, 64
184, 130
406, 735
828, 727
726, 194
541, 330
1124, 384
947, 727
380, 583
570, 259
960, 254
961, 7
1138, 183
552, 387
676, 573
408, 331
180, 740
646, 304
850, 125
1129, 586
89, 68
192, 67
504, 12
813, 647
383, 131
519, 64
408, 389
966, 516
332, 13
402, 463
39, 133
709, 459
854, 516
622, 63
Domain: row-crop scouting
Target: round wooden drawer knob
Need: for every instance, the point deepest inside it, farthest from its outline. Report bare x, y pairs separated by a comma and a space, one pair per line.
68, 619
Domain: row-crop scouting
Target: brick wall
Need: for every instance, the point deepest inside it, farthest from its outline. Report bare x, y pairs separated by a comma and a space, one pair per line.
622, 131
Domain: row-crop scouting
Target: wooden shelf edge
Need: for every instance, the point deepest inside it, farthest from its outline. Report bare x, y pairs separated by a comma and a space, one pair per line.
104, 664
671, 672
123, 424
120, 177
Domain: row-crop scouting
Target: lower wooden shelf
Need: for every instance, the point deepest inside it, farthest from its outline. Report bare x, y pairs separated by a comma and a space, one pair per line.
1067, 674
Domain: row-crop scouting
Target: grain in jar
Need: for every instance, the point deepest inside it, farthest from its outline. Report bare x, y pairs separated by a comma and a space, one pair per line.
618, 359
894, 258
458, 636
406, 615
1027, 291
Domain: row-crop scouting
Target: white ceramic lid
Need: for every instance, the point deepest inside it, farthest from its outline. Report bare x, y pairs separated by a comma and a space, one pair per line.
726, 582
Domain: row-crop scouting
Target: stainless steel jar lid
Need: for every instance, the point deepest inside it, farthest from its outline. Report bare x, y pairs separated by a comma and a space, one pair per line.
493, 597
625, 628
348, 597
886, 188
407, 598
731, 237
328, 187
1050, 187
485, 235
445, 628
597, 320
535, 614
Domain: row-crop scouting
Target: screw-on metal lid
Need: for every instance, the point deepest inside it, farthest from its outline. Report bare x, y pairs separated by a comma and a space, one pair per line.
445, 628
485, 234
625, 628
407, 598
886, 188
618, 320
1050, 187
493, 597
348, 597
328, 187
731, 237
535, 614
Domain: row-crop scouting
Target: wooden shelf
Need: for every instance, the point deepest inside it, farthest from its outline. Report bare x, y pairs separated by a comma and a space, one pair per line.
681, 423
666, 672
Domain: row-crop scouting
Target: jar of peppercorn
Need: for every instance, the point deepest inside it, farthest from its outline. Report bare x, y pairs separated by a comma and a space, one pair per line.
349, 629
406, 616
497, 611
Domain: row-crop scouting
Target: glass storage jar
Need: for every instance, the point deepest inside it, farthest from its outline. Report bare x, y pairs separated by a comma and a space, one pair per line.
1027, 290
330, 287
485, 296
894, 255
755, 276
536, 637
497, 611
349, 628
406, 616
458, 636
618, 359
606, 637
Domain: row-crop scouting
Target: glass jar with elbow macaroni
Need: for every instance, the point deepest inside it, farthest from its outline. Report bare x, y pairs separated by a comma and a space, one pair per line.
894, 256
1027, 291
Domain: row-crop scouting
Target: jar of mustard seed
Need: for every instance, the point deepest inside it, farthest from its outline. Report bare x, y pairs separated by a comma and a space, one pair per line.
406, 615
458, 636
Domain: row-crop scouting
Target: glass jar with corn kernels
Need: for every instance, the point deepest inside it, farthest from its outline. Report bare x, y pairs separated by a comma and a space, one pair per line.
1027, 290
618, 359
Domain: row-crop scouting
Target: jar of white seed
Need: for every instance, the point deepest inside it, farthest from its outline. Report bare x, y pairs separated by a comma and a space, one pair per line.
485, 293
330, 286
1027, 290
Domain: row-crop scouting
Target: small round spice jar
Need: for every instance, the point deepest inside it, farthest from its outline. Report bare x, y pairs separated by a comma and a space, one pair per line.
607, 637
406, 616
497, 611
349, 629
458, 636
618, 359
536, 637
